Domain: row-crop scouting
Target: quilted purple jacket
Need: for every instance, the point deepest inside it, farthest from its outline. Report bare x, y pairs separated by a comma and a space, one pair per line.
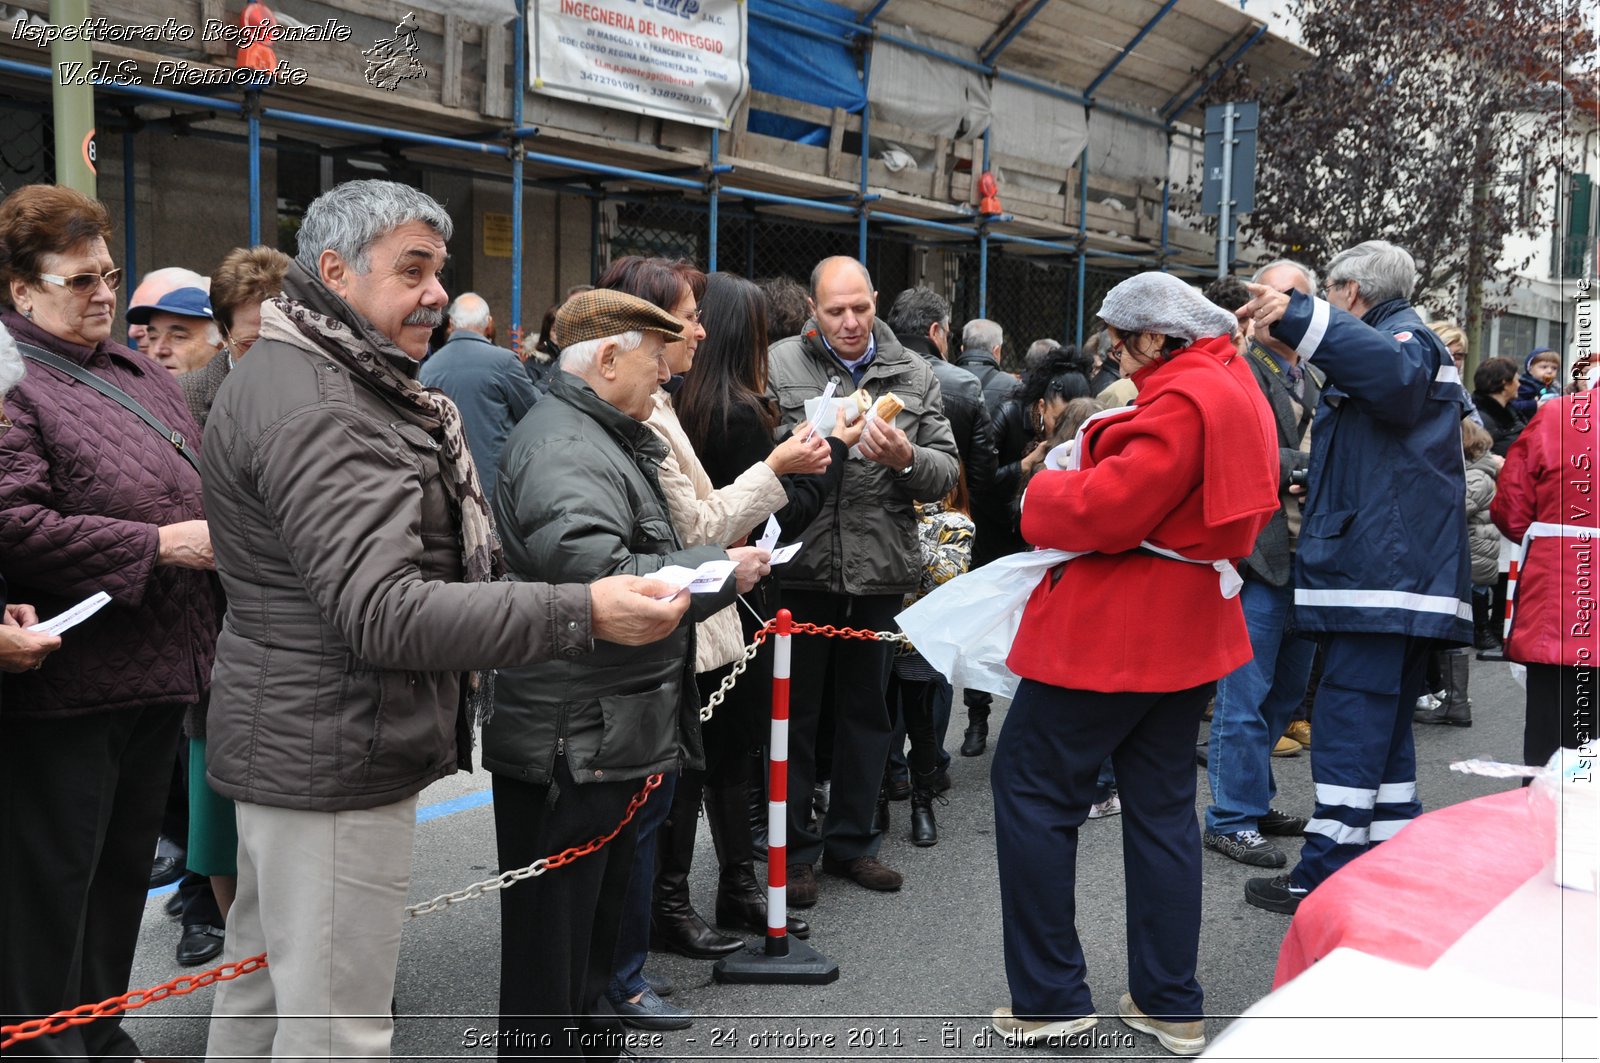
84, 486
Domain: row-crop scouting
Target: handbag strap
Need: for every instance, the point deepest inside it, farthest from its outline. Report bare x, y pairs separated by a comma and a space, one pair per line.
114, 393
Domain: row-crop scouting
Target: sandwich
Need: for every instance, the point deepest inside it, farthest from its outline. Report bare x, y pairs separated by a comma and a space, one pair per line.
888, 406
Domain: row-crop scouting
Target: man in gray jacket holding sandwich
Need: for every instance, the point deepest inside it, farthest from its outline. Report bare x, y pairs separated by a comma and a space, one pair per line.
861, 558
365, 604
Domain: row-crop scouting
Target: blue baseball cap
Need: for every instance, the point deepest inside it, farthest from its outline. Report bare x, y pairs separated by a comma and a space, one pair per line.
185, 302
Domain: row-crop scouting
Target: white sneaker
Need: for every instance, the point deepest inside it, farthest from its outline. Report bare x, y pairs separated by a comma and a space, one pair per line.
1111, 806
1025, 1031
1179, 1038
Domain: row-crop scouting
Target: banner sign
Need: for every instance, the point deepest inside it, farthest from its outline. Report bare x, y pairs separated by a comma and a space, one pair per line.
679, 59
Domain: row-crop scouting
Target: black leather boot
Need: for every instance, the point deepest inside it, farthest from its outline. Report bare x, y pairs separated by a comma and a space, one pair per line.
880, 815
1456, 708
741, 899
924, 829
758, 804
674, 924
976, 738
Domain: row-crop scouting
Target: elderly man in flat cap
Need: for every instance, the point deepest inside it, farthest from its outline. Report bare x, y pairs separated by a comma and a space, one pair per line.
366, 606
572, 741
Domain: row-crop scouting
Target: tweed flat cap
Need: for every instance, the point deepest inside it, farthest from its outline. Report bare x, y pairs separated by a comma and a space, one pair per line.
602, 312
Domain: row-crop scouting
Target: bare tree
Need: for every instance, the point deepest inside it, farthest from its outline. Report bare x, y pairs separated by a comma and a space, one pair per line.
1432, 123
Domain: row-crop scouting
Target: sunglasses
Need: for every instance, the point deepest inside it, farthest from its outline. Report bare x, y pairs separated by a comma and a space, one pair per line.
85, 283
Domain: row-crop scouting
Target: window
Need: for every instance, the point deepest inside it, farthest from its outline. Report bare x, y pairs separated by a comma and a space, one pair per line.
1516, 337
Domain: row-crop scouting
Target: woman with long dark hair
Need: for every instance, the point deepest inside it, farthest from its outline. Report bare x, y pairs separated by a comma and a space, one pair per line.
731, 422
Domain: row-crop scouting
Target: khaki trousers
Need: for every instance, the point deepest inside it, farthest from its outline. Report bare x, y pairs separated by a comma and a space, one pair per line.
323, 895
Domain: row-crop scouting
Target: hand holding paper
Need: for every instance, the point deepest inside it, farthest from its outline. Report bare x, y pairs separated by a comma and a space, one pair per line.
74, 616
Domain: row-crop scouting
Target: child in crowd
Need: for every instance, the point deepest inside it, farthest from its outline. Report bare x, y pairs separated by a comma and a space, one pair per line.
944, 531
1538, 383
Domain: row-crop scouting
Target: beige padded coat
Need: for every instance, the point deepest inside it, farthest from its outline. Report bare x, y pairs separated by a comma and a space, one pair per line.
708, 516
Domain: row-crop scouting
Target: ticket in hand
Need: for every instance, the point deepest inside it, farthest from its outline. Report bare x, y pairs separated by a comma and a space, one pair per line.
769, 537
706, 579
785, 554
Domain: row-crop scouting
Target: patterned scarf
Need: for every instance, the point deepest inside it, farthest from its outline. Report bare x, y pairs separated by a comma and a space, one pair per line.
327, 321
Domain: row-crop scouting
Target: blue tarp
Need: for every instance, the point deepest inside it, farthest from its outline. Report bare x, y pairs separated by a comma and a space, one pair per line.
801, 67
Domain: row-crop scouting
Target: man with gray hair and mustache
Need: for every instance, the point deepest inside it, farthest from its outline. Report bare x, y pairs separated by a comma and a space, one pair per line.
367, 606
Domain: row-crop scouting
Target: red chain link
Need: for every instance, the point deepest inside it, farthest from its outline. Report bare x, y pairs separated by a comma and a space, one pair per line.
566, 856
136, 998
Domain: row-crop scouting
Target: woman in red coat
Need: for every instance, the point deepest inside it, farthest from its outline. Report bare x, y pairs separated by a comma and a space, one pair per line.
1546, 500
1167, 493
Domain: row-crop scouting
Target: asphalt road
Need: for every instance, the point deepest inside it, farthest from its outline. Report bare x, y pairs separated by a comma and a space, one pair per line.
920, 971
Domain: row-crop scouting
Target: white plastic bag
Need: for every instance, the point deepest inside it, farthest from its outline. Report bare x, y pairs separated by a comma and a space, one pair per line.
965, 628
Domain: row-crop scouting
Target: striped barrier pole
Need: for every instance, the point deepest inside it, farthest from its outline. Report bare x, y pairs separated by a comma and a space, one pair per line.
778, 960
1511, 599
778, 793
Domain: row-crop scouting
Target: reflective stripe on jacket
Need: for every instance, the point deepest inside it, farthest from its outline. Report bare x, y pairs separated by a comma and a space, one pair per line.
1383, 546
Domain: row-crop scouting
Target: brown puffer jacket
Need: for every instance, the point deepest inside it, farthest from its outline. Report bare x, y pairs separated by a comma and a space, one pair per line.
84, 487
339, 668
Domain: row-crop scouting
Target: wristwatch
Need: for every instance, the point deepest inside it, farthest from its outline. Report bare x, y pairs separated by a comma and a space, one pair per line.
907, 470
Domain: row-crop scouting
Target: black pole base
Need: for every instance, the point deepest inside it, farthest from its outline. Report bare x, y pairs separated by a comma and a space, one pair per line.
803, 965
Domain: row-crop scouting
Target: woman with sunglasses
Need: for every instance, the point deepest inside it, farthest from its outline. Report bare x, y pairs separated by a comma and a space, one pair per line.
1164, 493
92, 498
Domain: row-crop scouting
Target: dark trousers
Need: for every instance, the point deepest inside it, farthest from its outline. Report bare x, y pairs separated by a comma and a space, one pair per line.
558, 932
633, 931
81, 800
1561, 710
851, 675
1043, 777
922, 713
1363, 760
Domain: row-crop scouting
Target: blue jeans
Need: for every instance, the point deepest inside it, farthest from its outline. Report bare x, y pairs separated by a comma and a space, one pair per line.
633, 931
1253, 708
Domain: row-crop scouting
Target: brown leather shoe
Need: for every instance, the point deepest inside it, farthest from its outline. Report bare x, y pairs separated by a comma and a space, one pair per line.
866, 871
802, 886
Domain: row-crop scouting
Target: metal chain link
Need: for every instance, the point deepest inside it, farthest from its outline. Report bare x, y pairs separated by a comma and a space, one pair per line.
715, 700
539, 866
828, 630
136, 998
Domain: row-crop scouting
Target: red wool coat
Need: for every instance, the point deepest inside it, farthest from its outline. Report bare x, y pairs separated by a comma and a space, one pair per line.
1194, 470
1550, 476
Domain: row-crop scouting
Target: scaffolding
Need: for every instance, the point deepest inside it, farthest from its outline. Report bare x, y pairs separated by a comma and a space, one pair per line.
710, 181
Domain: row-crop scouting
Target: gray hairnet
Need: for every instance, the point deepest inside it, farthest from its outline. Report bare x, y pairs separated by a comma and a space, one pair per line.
1161, 303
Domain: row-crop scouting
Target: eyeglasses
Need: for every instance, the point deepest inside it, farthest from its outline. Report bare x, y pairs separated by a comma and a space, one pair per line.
5, 422
85, 283
1331, 285
691, 316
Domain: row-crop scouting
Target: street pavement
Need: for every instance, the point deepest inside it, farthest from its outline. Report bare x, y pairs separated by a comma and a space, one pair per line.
919, 970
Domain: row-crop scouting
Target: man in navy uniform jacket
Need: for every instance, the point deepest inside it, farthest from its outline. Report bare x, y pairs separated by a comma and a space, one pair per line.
1382, 568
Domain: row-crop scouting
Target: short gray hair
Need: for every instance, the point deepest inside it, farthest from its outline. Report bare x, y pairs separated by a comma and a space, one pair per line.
579, 358
349, 218
981, 334
1305, 271
1382, 270
470, 311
